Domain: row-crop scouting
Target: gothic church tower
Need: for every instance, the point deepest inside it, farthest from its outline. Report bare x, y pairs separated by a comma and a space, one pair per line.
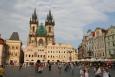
49, 24
33, 27
40, 35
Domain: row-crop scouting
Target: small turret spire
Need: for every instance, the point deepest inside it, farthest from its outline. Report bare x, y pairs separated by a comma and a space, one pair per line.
50, 13
34, 15
34, 19
49, 19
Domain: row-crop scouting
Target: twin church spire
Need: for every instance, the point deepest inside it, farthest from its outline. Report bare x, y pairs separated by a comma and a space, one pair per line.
49, 20
34, 15
34, 19
40, 34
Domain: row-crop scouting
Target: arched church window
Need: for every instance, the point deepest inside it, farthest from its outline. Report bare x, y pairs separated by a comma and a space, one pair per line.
40, 42
49, 29
33, 29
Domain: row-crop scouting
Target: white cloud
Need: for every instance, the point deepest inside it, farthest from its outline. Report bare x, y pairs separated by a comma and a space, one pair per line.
70, 15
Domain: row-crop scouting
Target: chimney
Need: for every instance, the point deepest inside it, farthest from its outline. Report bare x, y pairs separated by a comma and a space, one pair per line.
0, 35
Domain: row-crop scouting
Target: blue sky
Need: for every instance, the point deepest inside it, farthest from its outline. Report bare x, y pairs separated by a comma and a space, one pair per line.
72, 17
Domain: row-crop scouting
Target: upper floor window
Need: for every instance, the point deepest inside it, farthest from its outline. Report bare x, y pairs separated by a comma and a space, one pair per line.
12, 47
44, 56
49, 29
16, 47
26, 55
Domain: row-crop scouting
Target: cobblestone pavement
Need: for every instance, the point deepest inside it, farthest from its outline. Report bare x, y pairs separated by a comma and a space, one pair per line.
29, 72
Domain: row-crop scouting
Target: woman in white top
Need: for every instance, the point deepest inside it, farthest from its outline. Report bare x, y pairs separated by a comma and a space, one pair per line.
98, 73
105, 73
86, 74
82, 72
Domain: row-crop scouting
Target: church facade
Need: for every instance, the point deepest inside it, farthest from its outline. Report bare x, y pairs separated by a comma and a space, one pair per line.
41, 43
40, 35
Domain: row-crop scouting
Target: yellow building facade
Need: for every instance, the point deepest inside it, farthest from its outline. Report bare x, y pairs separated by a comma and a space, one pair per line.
52, 53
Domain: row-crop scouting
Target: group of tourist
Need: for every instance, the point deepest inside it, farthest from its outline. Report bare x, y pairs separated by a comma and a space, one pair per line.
39, 66
69, 67
99, 70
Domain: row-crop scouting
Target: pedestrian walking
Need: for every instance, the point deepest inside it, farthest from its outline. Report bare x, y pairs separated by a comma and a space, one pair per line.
98, 73
66, 67
82, 72
36, 67
106, 73
86, 74
59, 67
40, 68
20, 66
72, 68
49, 66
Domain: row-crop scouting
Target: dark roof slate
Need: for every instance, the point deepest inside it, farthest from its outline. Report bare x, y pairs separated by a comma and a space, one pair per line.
14, 36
